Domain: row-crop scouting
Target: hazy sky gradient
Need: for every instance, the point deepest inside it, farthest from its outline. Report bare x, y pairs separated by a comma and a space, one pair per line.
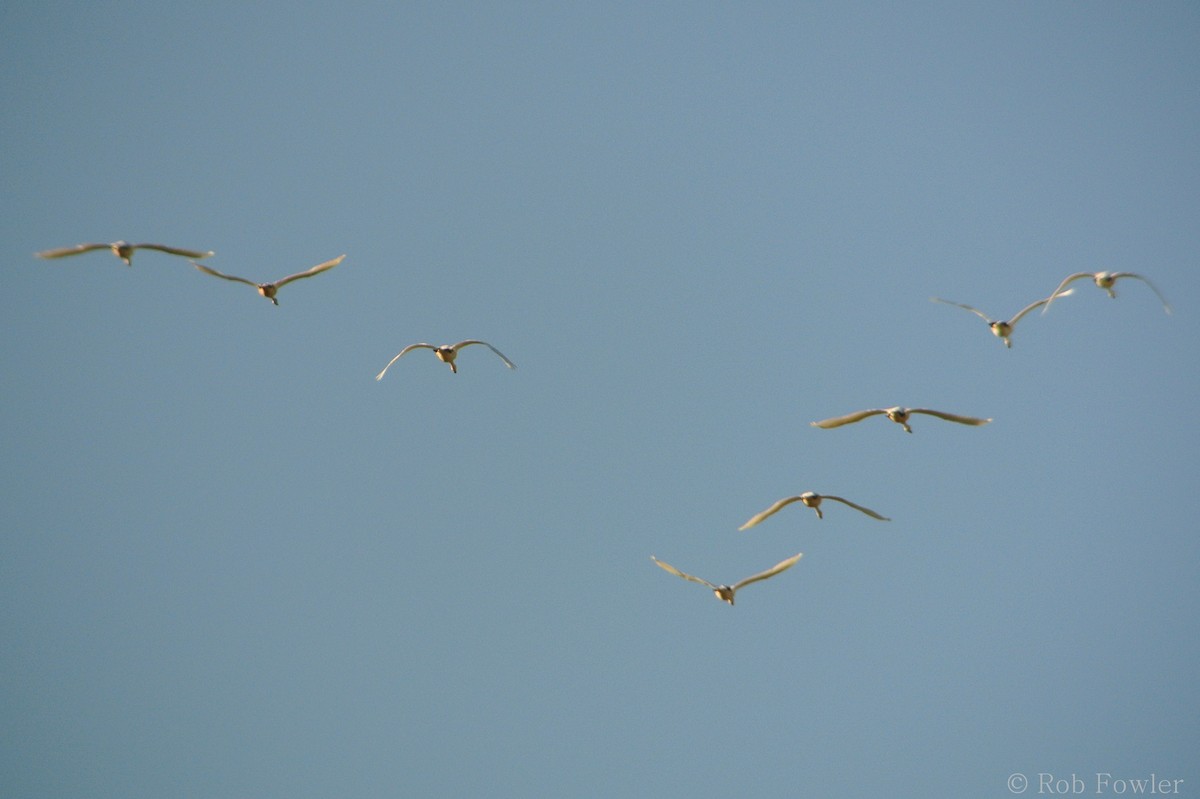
233, 564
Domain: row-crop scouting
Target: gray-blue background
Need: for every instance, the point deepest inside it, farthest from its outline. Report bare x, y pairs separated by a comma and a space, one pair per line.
232, 564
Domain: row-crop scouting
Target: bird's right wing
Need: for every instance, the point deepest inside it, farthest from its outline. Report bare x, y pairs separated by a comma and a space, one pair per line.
62, 252
677, 573
975, 311
401, 354
1066, 280
209, 270
850, 418
783, 565
783, 503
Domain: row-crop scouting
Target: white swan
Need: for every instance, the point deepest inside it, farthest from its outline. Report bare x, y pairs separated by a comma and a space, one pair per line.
810, 500
121, 249
1105, 280
726, 592
898, 415
446, 353
269, 290
1001, 328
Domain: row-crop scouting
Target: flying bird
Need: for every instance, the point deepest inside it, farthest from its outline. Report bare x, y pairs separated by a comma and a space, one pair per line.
810, 500
446, 353
1002, 329
898, 415
269, 290
1105, 280
726, 592
121, 249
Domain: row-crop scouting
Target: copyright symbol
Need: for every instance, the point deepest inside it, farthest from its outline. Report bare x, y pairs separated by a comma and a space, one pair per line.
1017, 783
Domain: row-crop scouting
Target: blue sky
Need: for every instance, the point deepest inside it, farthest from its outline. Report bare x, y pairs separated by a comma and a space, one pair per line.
233, 564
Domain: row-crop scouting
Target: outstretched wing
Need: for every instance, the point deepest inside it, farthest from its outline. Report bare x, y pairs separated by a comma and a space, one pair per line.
401, 354
975, 311
771, 511
677, 573
1068, 279
62, 252
470, 341
867, 511
1038, 304
1146, 280
209, 270
316, 270
951, 417
783, 565
175, 250
850, 418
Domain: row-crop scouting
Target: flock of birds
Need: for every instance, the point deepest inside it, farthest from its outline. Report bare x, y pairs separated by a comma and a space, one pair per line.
448, 353
1002, 329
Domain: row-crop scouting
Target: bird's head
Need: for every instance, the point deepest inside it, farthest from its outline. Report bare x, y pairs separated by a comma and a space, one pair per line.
124, 251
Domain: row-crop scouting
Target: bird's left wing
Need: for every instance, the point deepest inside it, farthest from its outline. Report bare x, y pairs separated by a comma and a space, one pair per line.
175, 250
316, 270
867, 511
470, 341
1038, 304
783, 565
950, 417
1146, 280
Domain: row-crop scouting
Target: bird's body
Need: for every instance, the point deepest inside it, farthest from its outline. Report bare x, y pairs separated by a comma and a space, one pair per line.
123, 250
899, 415
1000, 328
269, 290
1106, 281
810, 500
726, 592
446, 353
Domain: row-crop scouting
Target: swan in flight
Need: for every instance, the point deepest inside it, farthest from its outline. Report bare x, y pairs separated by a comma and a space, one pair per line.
1105, 280
898, 415
123, 250
446, 353
810, 500
269, 290
726, 592
1001, 328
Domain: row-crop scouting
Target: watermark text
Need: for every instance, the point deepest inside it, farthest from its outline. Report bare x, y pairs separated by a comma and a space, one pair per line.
1098, 783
